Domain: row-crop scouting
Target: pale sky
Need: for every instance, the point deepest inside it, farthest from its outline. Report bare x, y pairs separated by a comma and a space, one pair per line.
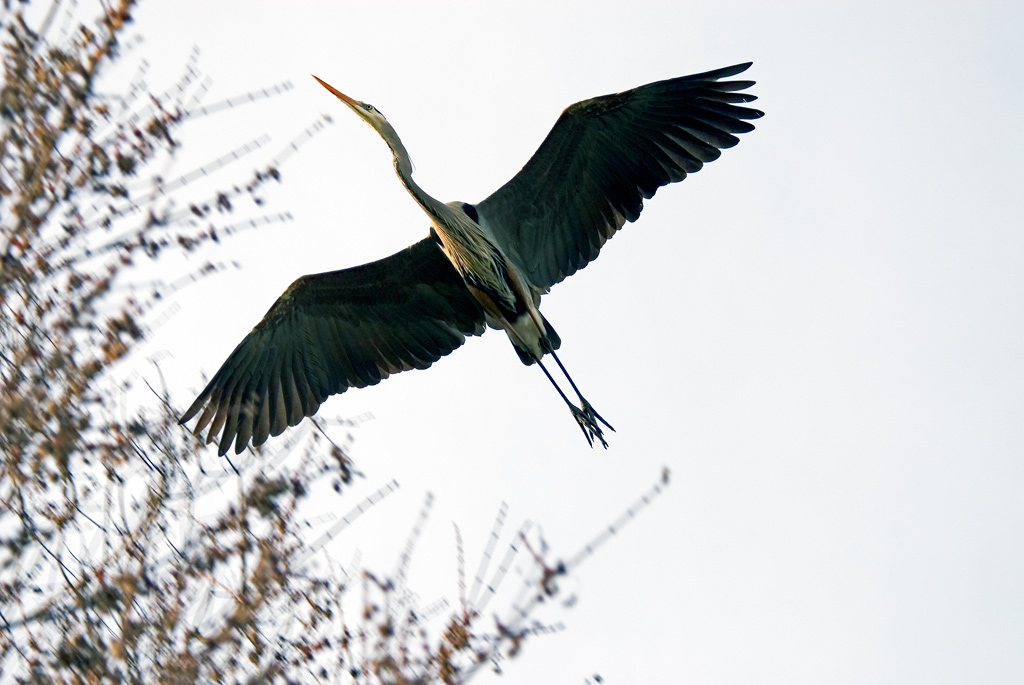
820, 334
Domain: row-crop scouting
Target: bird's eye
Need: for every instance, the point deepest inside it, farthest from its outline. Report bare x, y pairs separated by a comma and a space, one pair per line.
368, 106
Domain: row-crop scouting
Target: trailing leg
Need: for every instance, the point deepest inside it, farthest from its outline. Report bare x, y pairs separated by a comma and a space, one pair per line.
585, 416
589, 410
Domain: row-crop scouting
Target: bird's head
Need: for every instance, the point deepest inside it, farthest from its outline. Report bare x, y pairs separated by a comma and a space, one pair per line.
372, 116
365, 110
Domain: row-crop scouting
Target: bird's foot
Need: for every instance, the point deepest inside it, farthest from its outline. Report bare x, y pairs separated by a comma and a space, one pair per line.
588, 420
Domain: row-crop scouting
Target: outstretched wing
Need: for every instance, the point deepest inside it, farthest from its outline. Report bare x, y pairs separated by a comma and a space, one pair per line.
603, 157
332, 331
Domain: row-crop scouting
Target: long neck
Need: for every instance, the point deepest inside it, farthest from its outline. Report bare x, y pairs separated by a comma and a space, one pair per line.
403, 167
431, 206
470, 250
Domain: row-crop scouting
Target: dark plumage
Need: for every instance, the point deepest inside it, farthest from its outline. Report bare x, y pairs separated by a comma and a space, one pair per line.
611, 153
484, 263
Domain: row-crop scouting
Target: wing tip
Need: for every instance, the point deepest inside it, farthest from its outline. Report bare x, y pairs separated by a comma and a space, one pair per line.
192, 410
738, 68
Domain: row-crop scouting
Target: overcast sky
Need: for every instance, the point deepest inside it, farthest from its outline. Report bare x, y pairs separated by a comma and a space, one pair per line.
820, 334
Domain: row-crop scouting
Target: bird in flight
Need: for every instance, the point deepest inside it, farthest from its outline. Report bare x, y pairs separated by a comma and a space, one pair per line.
482, 264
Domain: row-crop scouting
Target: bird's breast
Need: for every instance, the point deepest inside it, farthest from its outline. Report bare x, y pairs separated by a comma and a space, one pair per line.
481, 263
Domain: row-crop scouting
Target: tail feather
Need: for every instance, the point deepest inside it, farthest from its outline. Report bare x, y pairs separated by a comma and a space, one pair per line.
553, 340
525, 356
550, 343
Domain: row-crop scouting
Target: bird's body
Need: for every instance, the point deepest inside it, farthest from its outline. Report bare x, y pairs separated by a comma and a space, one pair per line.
509, 301
485, 263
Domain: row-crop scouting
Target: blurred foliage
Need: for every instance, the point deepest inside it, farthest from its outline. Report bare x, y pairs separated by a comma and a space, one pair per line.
121, 557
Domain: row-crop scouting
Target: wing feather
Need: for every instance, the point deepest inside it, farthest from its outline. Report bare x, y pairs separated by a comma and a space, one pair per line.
332, 331
603, 158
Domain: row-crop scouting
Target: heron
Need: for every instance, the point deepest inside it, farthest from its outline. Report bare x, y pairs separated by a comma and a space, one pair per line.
483, 264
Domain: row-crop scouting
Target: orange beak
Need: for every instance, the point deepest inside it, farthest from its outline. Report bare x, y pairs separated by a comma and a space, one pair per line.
337, 93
